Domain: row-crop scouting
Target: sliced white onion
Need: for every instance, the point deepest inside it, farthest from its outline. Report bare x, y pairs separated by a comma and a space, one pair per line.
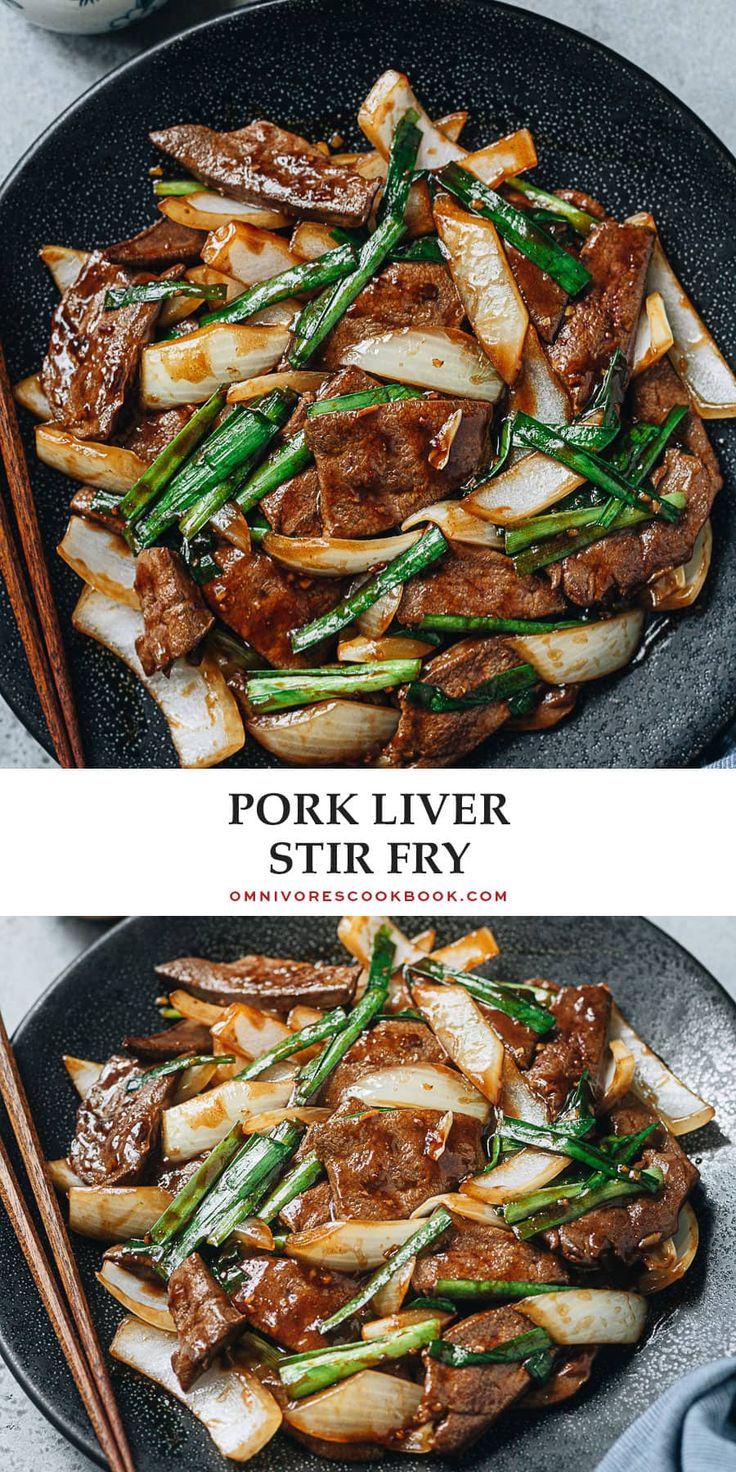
679, 1107
108, 467
465, 1034
199, 709
587, 653
469, 950
189, 1129
194, 1080
538, 391
653, 335
467, 1206
358, 932
100, 558
330, 733
695, 354
82, 1072
115, 1213
509, 155
485, 284
680, 586
301, 383
334, 557
146, 1300
588, 1315
527, 488
350, 1246
61, 1174
207, 211
302, 1016
240, 1414
248, 1031
260, 1124
310, 240
389, 1298
452, 123
457, 524
187, 370
176, 308
420, 1086
439, 358
526, 1171
64, 263
28, 392
619, 1074
367, 1407
519, 1098
382, 111
253, 1233
396, 646
375, 620
664, 1268
195, 1008
247, 253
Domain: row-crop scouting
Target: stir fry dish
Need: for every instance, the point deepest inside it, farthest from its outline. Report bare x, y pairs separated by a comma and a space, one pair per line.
379, 1204
380, 452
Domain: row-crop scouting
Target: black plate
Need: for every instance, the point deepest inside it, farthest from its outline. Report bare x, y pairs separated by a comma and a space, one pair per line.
675, 1003
599, 123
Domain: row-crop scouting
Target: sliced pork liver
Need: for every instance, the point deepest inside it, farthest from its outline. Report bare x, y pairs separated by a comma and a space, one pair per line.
605, 316
478, 580
262, 602
162, 244
578, 1044
287, 1299
206, 1320
405, 294
262, 981
462, 1404
293, 509
545, 300
374, 464
620, 565
149, 434
266, 165
184, 1037
477, 1251
90, 371
174, 614
310, 1208
117, 1132
378, 1163
426, 739
621, 1233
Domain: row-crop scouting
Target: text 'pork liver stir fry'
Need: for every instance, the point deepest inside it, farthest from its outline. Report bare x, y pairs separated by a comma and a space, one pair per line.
378, 452
380, 1203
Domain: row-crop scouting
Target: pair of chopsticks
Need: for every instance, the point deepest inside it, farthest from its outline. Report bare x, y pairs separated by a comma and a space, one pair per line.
70, 1317
29, 588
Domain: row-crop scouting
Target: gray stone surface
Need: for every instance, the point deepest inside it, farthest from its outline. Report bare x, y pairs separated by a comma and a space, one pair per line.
33, 952
689, 47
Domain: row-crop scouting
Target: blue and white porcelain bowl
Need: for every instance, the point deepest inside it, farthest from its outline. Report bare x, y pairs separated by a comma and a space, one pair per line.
84, 16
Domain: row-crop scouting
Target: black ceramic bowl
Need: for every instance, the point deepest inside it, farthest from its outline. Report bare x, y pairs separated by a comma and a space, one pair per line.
599, 123
674, 1003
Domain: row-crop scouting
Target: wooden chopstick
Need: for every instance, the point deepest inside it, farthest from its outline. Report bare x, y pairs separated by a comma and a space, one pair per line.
53, 1302
42, 635
16, 1103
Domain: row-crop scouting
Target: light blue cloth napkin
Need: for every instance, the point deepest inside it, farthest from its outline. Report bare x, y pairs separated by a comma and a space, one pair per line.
691, 1428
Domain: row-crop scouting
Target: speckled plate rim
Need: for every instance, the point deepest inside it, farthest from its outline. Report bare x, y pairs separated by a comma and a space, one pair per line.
115, 934
33, 722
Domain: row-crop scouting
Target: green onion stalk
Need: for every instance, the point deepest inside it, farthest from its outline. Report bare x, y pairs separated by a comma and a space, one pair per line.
516, 228
538, 1018
430, 546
